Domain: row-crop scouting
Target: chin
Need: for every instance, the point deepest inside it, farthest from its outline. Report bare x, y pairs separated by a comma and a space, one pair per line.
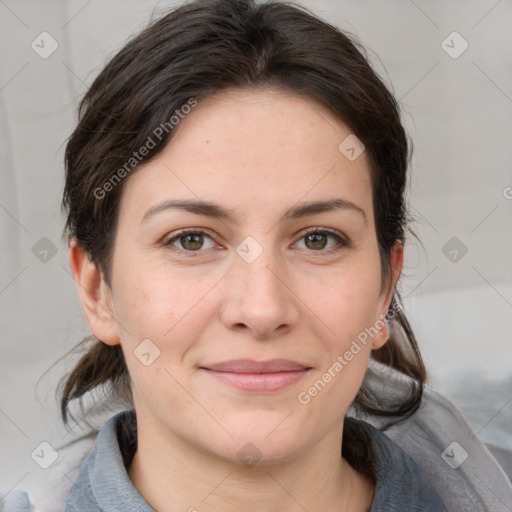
265, 441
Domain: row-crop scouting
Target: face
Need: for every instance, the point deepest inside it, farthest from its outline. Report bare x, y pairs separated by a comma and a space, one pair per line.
195, 288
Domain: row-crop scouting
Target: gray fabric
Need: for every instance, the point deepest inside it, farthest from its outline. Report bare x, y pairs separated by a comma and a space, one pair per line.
401, 485
103, 484
478, 484
18, 501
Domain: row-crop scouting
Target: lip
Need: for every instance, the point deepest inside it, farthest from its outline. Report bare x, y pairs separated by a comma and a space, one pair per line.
250, 366
258, 376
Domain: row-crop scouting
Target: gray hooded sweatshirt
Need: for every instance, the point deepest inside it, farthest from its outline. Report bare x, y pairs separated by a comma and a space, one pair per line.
103, 484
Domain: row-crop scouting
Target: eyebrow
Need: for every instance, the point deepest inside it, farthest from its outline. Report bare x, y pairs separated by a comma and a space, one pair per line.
216, 211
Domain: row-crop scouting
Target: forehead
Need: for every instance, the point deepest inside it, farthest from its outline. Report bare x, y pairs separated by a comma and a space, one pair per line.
265, 149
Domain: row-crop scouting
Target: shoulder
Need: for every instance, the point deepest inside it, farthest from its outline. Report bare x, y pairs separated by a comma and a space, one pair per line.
89, 474
103, 482
399, 483
45, 490
442, 444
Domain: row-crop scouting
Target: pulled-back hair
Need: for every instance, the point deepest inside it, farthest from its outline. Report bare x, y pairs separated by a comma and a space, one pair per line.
194, 51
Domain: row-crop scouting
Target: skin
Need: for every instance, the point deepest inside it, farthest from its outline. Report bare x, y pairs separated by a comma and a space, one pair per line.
257, 152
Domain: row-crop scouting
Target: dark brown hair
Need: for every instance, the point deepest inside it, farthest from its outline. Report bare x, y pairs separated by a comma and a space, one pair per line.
194, 51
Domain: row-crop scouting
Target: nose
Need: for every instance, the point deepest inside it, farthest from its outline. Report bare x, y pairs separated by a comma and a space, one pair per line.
258, 299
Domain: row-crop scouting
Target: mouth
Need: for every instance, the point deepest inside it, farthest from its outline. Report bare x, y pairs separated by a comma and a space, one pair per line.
253, 376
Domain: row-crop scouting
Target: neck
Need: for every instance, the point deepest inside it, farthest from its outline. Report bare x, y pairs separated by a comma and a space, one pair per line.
170, 470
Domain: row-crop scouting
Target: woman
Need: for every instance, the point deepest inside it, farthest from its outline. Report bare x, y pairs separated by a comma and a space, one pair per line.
236, 218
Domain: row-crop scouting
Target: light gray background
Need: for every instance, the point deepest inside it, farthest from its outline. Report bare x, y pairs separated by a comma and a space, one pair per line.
457, 111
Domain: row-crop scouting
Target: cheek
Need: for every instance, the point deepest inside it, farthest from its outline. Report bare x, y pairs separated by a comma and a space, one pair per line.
345, 300
346, 311
159, 318
148, 301
170, 307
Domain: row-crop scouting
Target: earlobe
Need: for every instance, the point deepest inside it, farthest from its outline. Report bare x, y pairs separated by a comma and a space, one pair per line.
94, 295
396, 259
382, 337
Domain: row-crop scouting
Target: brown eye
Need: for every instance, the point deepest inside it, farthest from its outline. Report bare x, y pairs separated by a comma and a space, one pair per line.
190, 241
317, 240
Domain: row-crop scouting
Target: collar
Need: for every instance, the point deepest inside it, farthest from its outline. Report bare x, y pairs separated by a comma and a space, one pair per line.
103, 484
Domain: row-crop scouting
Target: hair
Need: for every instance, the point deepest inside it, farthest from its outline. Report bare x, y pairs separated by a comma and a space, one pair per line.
201, 48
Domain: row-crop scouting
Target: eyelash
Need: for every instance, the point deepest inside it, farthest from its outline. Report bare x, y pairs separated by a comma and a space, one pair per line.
342, 242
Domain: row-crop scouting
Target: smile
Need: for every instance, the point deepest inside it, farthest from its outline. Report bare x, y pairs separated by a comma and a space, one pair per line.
251, 376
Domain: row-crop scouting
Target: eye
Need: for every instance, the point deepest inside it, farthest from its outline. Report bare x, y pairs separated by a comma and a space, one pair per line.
190, 240
317, 239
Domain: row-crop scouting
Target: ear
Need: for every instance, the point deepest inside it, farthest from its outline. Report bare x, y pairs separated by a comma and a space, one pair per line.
94, 294
396, 258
